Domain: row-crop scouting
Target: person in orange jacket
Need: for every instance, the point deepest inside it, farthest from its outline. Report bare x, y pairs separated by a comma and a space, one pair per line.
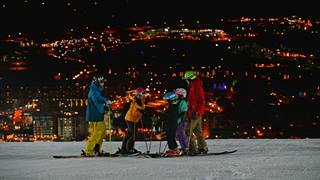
132, 117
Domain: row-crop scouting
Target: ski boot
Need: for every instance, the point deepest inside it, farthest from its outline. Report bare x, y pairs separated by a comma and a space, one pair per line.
172, 153
119, 151
192, 152
183, 152
134, 151
97, 151
203, 151
129, 152
84, 154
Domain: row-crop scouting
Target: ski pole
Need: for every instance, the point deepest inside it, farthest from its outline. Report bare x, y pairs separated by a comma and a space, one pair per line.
160, 138
191, 132
165, 147
134, 134
109, 123
144, 136
160, 146
154, 122
150, 141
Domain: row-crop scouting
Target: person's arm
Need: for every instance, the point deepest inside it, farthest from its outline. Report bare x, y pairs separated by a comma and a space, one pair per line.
202, 97
100, 101
200, 104
164, 116
140, 108
99, 98
184, 106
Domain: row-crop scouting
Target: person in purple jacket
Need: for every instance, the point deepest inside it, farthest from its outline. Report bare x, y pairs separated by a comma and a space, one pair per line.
182, 118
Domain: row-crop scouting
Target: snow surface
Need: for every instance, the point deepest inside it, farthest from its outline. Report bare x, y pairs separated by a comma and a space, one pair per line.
255, 159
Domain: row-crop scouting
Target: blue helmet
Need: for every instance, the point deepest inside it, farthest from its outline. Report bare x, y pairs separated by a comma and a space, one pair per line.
170, 96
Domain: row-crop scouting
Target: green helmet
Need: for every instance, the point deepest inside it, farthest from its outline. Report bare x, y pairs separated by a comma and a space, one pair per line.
190, 75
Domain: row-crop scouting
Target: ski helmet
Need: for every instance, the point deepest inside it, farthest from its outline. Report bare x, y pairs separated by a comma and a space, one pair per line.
170, 96
190, 75
181, 92
98, 79
140, 91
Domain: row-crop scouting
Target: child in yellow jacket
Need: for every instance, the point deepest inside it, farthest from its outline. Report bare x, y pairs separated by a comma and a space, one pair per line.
132, 117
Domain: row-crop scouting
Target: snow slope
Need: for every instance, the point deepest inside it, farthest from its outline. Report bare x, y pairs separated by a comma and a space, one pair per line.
255, 159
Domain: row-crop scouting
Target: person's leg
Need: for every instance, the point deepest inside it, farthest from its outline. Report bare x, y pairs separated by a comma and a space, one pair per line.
131, 140
101, 132
171, 139
182, 135
129, 135
92, 140
189, 132
202, 145
171, 135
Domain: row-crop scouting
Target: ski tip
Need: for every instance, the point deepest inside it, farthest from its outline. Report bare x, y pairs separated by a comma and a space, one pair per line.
233, 151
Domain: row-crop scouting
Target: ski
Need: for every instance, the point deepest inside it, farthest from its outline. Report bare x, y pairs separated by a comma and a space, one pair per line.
105, 155
80, 156
157, 155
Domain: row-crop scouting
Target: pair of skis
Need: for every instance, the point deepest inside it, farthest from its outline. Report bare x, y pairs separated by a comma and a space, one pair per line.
142, 155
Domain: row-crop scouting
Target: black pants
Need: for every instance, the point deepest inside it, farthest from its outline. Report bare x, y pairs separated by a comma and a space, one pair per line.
171, 134
128, 141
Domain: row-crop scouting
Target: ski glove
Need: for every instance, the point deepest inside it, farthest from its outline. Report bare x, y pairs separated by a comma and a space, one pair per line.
108, 102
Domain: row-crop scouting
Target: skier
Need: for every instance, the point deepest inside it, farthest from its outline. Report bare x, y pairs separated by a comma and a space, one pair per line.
196, 109
182, 118
95, 117
132, 117
170, 116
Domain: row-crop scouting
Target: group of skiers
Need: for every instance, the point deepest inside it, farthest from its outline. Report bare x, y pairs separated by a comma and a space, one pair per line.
183, 117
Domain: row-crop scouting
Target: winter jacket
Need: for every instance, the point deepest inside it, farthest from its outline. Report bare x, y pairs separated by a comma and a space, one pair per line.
170, 115
96, 104
182, 109
196, 98
134, 113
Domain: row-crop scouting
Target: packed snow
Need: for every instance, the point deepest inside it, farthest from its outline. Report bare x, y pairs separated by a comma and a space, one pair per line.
255, 159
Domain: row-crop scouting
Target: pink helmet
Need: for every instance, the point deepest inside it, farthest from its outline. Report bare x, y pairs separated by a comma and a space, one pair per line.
181, 92
140, 91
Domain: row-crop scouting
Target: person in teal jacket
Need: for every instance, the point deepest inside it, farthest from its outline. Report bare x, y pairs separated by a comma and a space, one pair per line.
182, 118
95, 117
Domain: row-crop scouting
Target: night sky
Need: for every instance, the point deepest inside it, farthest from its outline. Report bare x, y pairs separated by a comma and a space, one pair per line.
33, 16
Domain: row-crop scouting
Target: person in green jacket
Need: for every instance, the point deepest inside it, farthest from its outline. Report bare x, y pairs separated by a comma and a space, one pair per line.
182, 118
